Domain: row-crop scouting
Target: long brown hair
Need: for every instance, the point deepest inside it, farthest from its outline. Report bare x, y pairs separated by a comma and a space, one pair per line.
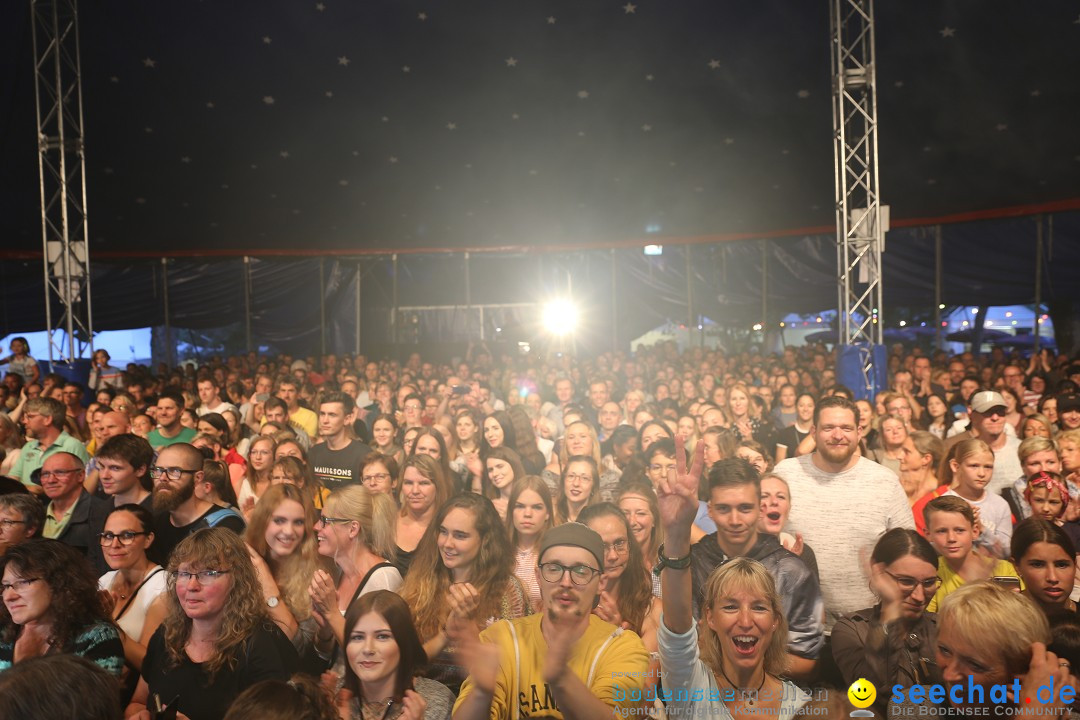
428, 579
634, 595
538, 486
411, 655
562, 505
244, 611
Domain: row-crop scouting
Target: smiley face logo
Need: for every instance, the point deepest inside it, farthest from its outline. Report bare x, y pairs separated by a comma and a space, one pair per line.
862, 693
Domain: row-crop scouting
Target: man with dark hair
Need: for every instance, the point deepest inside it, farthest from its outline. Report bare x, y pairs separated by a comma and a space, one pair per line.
734, 505
169, 431
72, 394
44, 420
72, 513
338, 459
178, 511
288, 389
834, 476
123, 463
210, 397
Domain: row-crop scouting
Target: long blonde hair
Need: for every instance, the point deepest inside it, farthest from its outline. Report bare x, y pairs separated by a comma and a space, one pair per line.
292, 573
742, 573
374, 512
244, 610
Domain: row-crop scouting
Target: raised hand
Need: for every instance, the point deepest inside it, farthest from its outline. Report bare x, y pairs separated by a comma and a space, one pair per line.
677, 494
413, 706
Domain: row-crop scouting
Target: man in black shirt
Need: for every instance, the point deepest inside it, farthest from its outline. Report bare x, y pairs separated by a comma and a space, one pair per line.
338, 459
178, 511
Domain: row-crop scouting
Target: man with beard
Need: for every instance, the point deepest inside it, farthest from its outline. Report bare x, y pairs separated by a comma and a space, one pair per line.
178, 512
170, 406
734, 503
842, 503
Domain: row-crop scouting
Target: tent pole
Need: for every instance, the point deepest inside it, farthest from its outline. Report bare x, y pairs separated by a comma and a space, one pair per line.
393, 302
614, 303
468, 299
764, 285
169, 347
322, 307
937, 286
689, 297
359, 277
1038, 280
247, 302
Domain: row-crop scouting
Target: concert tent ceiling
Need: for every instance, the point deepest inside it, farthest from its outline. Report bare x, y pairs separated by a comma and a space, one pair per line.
336, 127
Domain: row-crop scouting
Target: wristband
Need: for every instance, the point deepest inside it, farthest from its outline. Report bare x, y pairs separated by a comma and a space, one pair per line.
673, 563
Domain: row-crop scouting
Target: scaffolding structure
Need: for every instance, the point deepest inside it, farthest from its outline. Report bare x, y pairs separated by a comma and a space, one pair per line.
62, 174
861, 220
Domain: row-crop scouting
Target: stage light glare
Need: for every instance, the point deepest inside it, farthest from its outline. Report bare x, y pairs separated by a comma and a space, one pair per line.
560, 317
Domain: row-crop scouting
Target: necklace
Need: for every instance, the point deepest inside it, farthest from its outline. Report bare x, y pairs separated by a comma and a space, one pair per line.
752, 699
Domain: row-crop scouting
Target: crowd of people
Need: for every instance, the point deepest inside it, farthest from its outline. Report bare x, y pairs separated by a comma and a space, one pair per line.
506, 536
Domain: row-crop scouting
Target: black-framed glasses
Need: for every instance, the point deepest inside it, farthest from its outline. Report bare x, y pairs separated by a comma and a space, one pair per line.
126, 537
908, 584
173, 473
579, 574
204, 577
18, 585
324, 520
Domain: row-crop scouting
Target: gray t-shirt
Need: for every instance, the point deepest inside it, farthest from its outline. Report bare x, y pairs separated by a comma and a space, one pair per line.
842, 515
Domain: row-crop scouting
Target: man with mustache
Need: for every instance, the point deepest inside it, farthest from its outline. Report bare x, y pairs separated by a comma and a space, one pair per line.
178, 511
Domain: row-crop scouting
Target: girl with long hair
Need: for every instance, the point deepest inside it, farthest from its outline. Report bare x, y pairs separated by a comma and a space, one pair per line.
455, 572
637, 501
530, 513
281, 537
501, 467
465, 448
498, 431
384, 431
579, 488
1045, 559
424, 488
256, 479
217, 638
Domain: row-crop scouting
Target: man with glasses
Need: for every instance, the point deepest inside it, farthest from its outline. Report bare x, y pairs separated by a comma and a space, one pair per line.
72, 514
44, 420
734, 502
21, 518
339, 460
178, 511
564, 657
986, 410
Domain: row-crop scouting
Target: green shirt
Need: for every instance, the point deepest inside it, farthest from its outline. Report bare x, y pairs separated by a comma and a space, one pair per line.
158, 441
33, 456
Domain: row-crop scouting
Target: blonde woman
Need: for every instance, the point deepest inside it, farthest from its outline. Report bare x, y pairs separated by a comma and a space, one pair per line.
424, 488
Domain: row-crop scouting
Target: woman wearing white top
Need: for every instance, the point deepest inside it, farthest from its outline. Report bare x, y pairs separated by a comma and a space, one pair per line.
136, 583
743, 652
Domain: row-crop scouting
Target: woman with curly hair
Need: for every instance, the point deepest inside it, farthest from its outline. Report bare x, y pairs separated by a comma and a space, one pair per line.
281, 537
462, 569
51, 605
218, 637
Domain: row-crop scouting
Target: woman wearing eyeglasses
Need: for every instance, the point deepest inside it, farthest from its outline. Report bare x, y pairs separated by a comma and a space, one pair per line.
356, 531
894, 641
217, 638
136, 584
51, 606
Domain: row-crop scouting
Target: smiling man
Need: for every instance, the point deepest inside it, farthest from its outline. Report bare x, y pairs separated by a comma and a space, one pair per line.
734, 505
564, 662
842, 503
72, 513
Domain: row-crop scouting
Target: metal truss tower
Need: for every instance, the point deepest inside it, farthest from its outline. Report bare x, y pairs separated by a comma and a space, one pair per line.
860, 225
62, 172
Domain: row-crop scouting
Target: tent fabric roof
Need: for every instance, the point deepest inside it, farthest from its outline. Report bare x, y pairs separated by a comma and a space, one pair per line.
326, 125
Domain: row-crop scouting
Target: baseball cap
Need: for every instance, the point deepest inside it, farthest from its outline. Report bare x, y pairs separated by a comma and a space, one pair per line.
574, 534
983, 402
298, 365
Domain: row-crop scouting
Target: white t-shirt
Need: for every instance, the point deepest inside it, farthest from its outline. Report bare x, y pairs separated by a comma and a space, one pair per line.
842, 515
1006, 466
133, 619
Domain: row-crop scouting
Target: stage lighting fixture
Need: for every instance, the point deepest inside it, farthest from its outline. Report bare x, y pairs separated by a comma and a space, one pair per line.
654, 249
560, 317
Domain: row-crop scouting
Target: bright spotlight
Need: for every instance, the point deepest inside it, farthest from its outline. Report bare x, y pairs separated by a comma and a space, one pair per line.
560, 317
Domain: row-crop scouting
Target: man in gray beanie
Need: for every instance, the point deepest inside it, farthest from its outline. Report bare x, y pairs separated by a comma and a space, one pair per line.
563, 662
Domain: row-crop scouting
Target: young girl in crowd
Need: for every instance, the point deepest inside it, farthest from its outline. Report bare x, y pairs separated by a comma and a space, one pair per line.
384, 428
1047, 496
969, 467
626, 597
385, 656
356, 530
501, 467
950, 523
424, 488
579, 488
1045, 559
281, 537
888, 643
637, 501
465, 448
456, 572
256, 480
530, 514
